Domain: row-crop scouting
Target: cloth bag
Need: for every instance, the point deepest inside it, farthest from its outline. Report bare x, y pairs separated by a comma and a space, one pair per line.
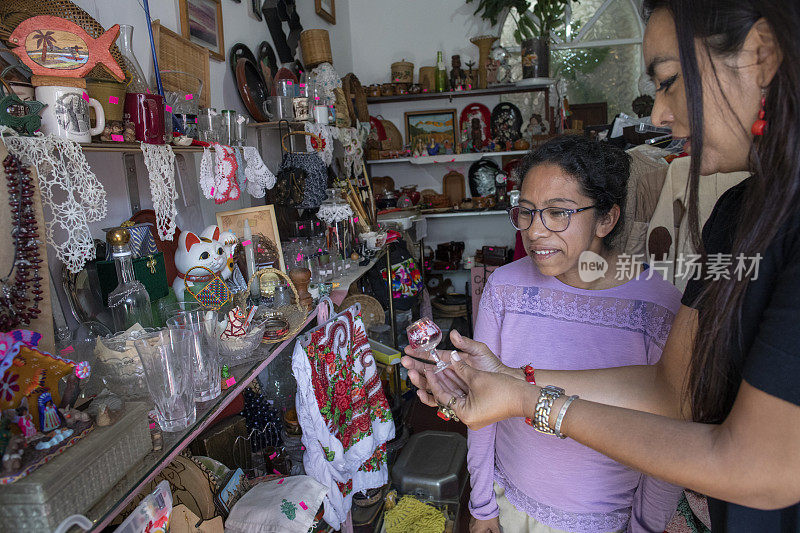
285, 505
341, 407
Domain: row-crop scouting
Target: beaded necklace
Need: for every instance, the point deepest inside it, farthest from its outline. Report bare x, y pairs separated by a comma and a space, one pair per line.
15, 296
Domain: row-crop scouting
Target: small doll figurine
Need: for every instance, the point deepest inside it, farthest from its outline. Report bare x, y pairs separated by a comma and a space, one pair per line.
433, 147
49, 417
25, 421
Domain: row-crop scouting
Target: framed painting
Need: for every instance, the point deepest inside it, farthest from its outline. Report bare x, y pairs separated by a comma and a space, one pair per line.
262, 220
326, 9
426, 129
201, 23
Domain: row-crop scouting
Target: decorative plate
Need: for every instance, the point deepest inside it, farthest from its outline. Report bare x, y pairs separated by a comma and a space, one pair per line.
506, 122
283, 74
479, 111
239, 50
252, 88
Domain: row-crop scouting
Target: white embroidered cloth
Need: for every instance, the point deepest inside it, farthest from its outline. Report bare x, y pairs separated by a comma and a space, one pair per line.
326, 136
71, 194
258, 178
345, 418
160, 162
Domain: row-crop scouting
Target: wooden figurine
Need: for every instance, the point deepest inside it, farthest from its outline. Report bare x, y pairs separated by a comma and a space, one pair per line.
53, 46
301, 278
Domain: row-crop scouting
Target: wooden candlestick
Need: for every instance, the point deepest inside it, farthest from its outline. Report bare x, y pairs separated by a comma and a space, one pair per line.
301, 277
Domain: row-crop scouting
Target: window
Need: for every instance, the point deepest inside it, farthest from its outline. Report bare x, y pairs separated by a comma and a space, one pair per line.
598, 53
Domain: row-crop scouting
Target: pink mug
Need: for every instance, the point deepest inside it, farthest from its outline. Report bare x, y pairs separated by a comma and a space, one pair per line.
146, 112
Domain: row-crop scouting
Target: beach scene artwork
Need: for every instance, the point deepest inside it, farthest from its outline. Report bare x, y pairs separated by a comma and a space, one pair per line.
56, 49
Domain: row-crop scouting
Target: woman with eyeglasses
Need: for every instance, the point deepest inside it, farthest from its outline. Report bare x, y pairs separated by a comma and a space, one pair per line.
720, 412
569, 304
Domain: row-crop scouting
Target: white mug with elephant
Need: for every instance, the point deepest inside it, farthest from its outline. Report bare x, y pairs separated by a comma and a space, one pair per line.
67, 113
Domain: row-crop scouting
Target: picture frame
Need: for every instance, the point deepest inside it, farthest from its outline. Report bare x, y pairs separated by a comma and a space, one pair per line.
201, 23
326, 9
262, 220
437, 125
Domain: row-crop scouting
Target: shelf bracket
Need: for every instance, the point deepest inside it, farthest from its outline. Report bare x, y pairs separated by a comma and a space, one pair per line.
129, 162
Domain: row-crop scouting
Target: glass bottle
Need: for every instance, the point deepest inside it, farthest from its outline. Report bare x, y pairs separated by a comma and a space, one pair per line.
138, 83
129, 302
441, 73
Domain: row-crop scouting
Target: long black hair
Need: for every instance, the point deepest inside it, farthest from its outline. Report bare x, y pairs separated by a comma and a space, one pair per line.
602, 171
722, 26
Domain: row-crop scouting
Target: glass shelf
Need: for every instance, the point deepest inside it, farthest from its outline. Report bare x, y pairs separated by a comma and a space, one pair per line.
498, 89
118, 497
130, 147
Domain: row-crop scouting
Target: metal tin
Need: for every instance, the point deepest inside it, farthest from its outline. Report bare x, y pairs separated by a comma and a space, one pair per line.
432, 466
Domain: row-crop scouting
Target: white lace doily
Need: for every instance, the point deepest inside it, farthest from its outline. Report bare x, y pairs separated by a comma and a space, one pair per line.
331, 214
258, 177
323, 131
226, 186
71, 194
353, 152
160, 162
207, 174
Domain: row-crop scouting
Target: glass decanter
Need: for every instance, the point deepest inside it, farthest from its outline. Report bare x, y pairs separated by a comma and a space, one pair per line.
129, 302
138, 83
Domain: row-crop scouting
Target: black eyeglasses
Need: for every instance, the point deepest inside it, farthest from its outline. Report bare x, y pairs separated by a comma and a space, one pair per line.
556, 219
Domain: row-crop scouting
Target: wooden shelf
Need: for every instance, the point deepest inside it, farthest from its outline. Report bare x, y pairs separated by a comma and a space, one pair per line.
440, 159
496, 90
450, 214
274, 125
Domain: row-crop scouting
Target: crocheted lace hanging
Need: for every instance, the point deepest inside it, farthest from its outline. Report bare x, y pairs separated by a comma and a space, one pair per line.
71, 194
331, 214
160, 162
258, 177
325, 134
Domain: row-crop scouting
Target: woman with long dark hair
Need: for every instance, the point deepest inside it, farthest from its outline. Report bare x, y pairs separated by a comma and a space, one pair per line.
720, 412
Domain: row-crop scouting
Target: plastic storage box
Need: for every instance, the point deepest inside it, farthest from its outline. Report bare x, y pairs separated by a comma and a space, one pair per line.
432, 466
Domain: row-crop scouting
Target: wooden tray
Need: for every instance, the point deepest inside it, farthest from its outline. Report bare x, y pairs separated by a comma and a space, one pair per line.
177, 53
454, 187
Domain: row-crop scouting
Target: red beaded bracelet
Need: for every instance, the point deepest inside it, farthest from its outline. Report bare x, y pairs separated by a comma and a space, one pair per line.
530, 378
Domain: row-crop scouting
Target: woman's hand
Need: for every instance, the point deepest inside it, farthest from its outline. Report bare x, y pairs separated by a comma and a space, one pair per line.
485, 526
476, 354
484, 397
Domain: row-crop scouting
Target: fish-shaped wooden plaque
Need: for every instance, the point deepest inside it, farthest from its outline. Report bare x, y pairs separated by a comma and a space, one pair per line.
53, 46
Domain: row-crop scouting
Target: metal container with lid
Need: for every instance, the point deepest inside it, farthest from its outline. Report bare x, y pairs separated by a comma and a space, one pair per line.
432, 465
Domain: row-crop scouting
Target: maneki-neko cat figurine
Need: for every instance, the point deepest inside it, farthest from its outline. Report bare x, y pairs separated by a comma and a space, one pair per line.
53, 46
200, 263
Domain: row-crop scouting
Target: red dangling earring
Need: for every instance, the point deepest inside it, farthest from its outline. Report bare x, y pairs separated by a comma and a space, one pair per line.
760, 125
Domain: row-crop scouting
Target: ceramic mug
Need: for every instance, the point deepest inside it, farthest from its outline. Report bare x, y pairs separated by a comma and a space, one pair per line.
146, 112
67, 113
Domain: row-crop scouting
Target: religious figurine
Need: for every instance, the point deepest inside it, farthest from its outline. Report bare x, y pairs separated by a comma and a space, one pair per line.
492, 66
448, 147
457, 75
477, 134
470, 75
433, 147
49, 417
419, 148
536, 126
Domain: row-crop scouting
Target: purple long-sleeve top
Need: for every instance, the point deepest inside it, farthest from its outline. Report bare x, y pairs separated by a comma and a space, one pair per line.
528, 318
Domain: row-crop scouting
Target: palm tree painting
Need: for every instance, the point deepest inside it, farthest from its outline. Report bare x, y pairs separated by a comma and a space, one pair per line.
44, 40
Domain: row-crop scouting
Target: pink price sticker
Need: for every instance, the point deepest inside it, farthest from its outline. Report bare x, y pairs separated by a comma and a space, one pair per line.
288, 82
275, 471
247, 243
68, 349
280, 481
169, 109
273, 456
85, 96
152, 425
117, 137
304, 506
189, 97
113, 100
302, 448
230, 382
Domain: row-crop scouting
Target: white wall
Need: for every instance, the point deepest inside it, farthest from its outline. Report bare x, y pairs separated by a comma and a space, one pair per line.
238, 27
385, 31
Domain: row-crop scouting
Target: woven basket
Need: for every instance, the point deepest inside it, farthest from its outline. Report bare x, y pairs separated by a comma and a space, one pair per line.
394, 139
316, 47
359, 97
403, 72
295, 313
13, 12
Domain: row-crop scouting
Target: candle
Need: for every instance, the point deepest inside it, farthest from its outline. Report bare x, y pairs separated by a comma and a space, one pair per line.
250, 257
